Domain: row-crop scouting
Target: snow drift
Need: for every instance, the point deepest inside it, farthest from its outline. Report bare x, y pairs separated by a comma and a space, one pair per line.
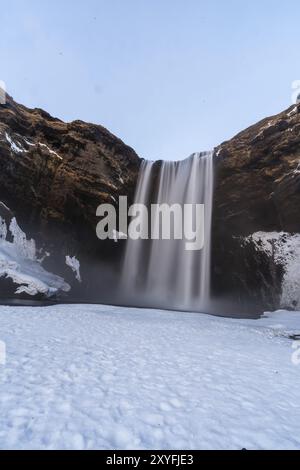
18, 262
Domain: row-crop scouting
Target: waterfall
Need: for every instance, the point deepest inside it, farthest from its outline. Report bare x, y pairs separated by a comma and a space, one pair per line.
162, 273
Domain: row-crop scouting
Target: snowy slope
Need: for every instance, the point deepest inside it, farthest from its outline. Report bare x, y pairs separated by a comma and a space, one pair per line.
87, 377
18, 262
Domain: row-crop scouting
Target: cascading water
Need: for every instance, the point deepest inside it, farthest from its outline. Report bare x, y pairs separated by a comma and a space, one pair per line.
162, 273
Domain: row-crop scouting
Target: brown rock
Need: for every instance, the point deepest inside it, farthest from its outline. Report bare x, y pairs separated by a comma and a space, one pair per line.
257, 189
53, 176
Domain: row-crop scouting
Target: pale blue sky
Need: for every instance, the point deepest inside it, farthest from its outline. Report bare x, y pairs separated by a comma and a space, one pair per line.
169, 77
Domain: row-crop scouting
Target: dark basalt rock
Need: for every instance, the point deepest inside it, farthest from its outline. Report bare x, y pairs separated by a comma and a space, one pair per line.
257, 188
53, 176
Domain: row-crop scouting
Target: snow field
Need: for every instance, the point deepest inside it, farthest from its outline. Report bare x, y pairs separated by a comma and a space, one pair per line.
97, 377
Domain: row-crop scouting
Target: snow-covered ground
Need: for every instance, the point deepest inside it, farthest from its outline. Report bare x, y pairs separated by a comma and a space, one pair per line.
95, 377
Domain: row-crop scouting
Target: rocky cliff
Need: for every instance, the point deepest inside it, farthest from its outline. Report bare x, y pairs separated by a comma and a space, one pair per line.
53, 176
257, 191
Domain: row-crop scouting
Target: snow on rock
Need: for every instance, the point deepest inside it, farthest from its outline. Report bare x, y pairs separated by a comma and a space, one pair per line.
50, 151
74, 264
297, 170
31, 144
99, 377
284, 249
266, 128
15, 146
25, 248
293, 111
4, 206
18, 262
29, 275
43, 255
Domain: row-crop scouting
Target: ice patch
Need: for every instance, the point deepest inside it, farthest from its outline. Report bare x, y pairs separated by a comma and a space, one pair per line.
284, 249
15, 147
297, 170
25, 248
29, 143
74, 264
18, 262
31, 277
293, 111
4, 205
50, 151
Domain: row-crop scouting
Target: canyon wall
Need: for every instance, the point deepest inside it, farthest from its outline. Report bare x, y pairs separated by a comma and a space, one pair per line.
54, 175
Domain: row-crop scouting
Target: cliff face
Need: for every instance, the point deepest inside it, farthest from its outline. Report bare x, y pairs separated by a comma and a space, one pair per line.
53, 176
257, 189
58, 171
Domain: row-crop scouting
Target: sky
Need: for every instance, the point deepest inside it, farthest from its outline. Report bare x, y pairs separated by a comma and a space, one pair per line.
169, 77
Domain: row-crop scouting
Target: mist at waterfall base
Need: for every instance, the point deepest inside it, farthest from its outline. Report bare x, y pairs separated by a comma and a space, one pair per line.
162, 273
150, 273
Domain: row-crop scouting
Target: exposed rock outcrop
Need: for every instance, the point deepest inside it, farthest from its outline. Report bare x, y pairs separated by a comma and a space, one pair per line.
53, 176
257, 189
